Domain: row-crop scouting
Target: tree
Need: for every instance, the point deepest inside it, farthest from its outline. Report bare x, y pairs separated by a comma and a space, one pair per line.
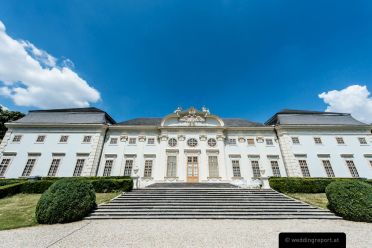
7, 116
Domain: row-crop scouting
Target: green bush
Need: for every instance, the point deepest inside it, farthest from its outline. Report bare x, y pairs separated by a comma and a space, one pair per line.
36, 187
4, 182
104, 185
88, 178
351, 200
10, 189
66, 200
304, 185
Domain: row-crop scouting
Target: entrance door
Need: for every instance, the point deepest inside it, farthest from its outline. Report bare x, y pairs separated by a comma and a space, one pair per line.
192, 169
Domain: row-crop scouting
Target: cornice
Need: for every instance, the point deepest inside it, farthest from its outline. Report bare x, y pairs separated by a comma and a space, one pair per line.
323, 127
26, 125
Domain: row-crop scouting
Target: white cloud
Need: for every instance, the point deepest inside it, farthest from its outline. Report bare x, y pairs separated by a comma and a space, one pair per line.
3, 107
32, 77
354, 99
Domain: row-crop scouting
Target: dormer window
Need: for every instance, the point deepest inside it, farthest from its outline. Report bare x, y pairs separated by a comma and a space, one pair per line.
63, 139
132, 141
17, 138
295, 140
269, 142
232, 141
113, 141
87, 139
362, 141
317, 140
340, 140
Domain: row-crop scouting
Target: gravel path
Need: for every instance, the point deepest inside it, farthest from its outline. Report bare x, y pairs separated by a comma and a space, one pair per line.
178, 233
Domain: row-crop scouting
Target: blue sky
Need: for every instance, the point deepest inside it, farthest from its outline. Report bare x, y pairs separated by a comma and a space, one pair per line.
238, 58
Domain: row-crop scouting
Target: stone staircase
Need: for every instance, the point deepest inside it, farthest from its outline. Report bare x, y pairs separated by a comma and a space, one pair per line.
197, 201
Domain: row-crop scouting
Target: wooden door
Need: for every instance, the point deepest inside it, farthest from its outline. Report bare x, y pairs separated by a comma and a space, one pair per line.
192, 169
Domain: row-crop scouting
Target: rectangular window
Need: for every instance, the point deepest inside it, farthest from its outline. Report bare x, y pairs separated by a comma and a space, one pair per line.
108, 167
304, 169
328, 168
40, 139
232, 141
255, 169
5, 162
17, 138
236, 168
362, 141
29, 166
172, 166
87, 139
151, 141
317, 140
63, 139
275, 168
352, 168
250, 142
148, 168
132, 141
213, 166
295, 140
79, 167
113, 141
269, 142
340, 140
54, 167
128, 167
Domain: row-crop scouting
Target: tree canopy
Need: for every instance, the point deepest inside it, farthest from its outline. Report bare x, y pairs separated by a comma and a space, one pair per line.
7, 116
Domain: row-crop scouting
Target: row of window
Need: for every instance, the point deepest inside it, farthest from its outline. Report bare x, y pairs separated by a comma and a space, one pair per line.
31, 162
339, 140
41, 139
328, 167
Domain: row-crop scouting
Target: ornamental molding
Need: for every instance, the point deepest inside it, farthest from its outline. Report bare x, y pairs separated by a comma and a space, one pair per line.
192, 115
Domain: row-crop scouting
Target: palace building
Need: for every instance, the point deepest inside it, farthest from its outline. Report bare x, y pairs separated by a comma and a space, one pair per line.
186, 146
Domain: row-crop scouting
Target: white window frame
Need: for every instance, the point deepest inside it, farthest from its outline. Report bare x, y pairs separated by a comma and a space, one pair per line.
318, 140
54, 167
24, 172
295, 140
114, 140
269, 142
128, 166
362, 141
132, 141
87, 139
172, 142
148, 168
61, 141
304, 167
253, 143
213, 169
212, 142
235, 165
109, 164
3, 167
232, 141
171, 169
40, 142
77, 170
352, 168
327, 166
17, 136
151, 143
340, 140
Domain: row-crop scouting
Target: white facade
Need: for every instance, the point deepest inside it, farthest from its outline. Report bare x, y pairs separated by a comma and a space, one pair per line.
185, 146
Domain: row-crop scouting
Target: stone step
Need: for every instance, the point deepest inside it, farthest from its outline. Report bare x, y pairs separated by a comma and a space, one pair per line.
198, 195
178, 206
210, 210
210, 213
245, 217
149, 201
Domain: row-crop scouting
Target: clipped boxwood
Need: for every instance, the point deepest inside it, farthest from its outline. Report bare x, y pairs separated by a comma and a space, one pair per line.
66, 200
304, 185
10, 189
4, 182
104, 185
36, 187
351, 200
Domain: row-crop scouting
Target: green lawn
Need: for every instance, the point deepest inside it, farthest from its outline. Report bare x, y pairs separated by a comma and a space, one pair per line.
19, 210
318, 200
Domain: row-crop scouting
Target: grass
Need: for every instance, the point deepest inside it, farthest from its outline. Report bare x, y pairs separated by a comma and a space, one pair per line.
317, 200
19, 210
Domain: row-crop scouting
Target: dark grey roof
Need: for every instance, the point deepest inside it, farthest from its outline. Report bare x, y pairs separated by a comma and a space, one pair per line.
229, 122
67, 116
237, 122
304, 117
142, 122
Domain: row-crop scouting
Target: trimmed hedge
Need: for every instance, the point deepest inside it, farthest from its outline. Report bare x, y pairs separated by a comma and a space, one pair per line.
65, 201
11, 189
304, 185
4, 182
36, 187
103, 185
88, 178
351, 200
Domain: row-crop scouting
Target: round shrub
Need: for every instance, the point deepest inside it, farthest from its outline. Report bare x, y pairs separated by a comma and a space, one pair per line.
66, 200
351, 200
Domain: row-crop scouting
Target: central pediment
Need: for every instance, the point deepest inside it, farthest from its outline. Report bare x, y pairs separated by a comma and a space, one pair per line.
192, 117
